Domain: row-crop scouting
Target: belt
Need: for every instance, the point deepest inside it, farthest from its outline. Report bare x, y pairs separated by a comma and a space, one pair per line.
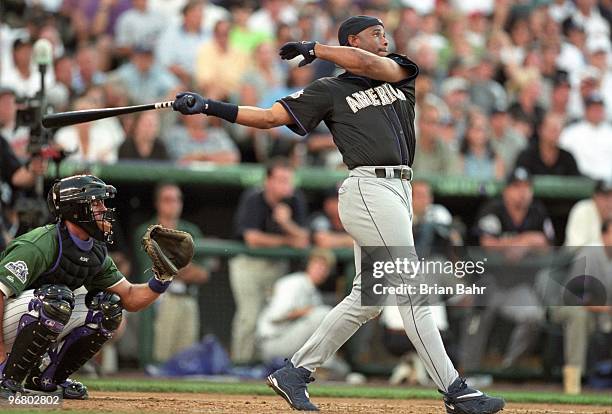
401, 173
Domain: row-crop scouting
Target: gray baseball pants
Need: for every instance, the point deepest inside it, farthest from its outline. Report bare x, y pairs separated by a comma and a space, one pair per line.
377, 212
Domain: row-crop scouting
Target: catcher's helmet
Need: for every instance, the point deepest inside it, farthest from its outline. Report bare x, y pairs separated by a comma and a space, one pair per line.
70, 199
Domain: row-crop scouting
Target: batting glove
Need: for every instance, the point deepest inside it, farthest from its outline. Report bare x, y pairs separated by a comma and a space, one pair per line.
292, 49
190, 103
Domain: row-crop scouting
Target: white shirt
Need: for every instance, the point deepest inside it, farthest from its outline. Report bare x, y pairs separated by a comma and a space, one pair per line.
167, 54
591, 146
261, 21
105, 137
292, 292
137, 28
583, 225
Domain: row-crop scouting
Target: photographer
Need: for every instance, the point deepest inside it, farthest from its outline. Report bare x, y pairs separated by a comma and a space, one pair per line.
13, 173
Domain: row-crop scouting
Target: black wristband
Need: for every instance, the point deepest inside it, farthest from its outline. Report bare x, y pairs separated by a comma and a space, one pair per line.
223, 110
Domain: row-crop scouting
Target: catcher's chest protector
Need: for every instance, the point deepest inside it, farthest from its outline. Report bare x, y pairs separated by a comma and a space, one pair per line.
73, 266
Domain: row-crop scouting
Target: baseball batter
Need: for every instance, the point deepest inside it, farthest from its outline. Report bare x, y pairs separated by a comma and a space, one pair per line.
370, 111
61, 295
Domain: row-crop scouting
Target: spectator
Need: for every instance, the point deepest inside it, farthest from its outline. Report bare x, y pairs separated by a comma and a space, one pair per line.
88, 71
599, 54
17, 137
177, 323
590, 141
477, 157
526, 105
545, 157
272, 217
559, 99
579, 322
587, 216
272, 14
454, 91
589, 83
326, 227
23, 76
433, 155
587, 16
137, 26
190, 35
516, 226
193, 139
243, 37
295, 308
431, 223
506, 141
93, 18
485, 92
144, 142
96, 141
148, 81
267, 73
219, 66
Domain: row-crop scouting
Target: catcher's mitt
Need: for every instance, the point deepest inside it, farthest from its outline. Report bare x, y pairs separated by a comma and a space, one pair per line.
169, 250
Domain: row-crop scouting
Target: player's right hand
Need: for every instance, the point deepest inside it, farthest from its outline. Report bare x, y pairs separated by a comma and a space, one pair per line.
190, 103
292, 49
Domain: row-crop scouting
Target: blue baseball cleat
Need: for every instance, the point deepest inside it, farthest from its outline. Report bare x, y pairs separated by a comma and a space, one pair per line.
463, 399
291, 383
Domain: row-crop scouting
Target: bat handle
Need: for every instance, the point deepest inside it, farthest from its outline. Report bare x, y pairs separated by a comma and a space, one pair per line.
161, 105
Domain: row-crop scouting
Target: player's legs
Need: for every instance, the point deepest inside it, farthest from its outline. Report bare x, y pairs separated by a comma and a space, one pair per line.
250, 279
33, 322
176, 325
94, 320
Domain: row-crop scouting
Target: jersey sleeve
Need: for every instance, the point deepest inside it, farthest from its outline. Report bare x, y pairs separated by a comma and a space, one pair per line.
403, 61
308, 107
108, 276
21, 264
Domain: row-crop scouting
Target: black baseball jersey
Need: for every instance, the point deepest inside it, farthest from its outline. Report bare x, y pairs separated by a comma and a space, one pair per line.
372, 122
494, 220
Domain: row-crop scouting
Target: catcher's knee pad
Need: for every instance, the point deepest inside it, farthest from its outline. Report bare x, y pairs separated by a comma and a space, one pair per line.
82, 343
35, 334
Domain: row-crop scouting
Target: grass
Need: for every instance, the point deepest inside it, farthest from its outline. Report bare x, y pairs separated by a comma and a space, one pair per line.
332, 390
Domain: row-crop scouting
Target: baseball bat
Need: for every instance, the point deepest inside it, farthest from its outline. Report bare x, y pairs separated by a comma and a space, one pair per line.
62, 119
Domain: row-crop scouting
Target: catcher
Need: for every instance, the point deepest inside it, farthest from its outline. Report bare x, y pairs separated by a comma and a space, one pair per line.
62, 296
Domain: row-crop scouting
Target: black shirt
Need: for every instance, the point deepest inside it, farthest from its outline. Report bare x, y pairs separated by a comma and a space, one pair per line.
494, 220
372, 122
254, 213
531, 160
128, 151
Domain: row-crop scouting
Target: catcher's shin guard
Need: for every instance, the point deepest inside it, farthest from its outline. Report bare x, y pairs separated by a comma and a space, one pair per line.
53, 304
82, 343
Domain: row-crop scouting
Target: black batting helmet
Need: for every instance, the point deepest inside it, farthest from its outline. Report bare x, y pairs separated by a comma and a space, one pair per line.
70, 199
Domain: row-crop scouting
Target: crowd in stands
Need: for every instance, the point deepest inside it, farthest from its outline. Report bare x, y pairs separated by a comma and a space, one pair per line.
491, 72
506, 90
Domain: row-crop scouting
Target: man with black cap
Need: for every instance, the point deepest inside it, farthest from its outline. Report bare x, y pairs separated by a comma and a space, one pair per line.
516, 226
369, 110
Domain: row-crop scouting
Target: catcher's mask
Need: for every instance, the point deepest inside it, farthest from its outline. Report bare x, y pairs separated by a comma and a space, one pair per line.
71, 199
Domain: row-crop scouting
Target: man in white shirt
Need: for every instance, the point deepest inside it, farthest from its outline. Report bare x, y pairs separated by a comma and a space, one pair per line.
295, 309
585, 218
190, 34
138, 25
590, 141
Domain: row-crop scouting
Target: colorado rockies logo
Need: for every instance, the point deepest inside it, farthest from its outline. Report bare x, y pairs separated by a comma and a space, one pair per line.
19, 269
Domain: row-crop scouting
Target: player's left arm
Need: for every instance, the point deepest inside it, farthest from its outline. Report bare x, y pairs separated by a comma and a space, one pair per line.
134, 297
363, 63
